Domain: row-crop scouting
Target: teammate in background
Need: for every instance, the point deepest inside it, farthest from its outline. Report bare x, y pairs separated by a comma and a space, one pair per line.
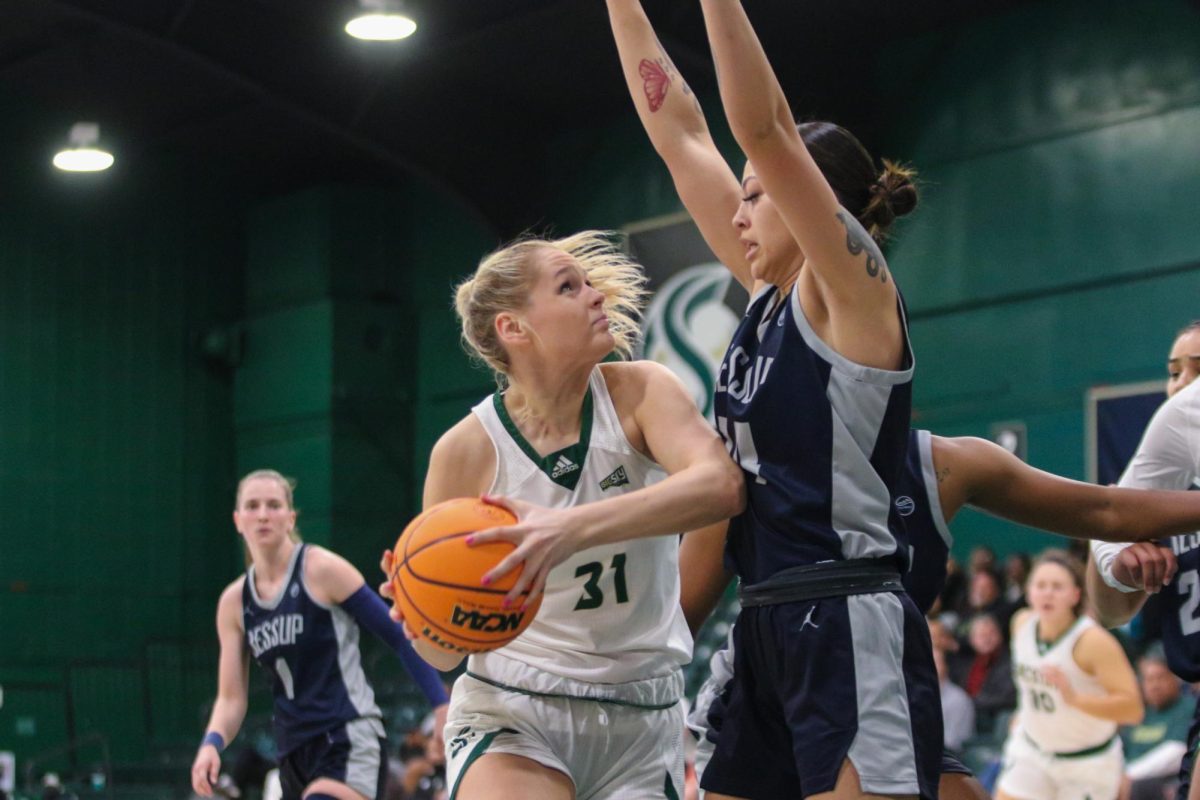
1074, 687
597, 461
941, 476
1168, 457
813, 400
297, 611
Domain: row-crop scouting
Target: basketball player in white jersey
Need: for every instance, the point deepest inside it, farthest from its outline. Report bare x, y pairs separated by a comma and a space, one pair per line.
1075, 686
597, 460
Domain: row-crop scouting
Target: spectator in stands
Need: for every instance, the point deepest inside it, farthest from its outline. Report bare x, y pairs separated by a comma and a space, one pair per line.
51, 786
982, 557
952, 603
985, 672
987, 597
958, 712
1016, 572
1155, 748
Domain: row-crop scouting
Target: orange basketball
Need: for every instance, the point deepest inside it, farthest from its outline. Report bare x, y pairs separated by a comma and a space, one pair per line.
436, 578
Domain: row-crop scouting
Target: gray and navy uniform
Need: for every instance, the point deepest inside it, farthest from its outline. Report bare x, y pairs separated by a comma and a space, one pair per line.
327, 723
832, 659
920, 506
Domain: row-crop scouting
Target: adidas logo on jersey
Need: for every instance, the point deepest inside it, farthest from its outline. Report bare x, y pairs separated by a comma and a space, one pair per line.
617, 478
563, 466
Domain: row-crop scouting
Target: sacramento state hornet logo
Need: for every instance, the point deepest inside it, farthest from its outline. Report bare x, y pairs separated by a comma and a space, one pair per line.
688, 327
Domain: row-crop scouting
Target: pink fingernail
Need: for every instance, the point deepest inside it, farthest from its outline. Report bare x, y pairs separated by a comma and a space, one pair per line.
470, 540
486, 580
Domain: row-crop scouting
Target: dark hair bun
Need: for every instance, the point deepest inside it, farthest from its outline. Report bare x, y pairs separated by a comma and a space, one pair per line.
893, 194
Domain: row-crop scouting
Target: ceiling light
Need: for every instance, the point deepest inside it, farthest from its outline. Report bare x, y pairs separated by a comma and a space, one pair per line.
382, 21
84, 154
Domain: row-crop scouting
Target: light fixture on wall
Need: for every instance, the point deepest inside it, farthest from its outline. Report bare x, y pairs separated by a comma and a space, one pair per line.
381, 21
84, 153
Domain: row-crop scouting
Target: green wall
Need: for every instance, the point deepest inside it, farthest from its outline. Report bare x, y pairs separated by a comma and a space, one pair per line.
1056, 247
117, 433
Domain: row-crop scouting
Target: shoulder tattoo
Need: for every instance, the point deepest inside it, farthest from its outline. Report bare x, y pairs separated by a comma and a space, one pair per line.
859, 241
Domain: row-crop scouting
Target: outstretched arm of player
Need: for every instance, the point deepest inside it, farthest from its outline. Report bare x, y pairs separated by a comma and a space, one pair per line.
998, 482
671, 114
233, 679
334, 580
702, 574
1098, 653
702, 487
848, 265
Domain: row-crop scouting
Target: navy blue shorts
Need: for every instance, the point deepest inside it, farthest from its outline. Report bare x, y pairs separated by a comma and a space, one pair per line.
352, 754
1189, 758
820, 681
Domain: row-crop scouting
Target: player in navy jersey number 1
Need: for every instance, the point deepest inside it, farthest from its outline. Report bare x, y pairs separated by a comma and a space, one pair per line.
298, 611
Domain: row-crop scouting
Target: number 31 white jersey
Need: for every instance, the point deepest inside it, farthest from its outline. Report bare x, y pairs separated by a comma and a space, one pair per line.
611, 613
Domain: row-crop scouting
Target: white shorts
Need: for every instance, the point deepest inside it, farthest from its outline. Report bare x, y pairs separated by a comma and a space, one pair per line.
628, 745
1031, 774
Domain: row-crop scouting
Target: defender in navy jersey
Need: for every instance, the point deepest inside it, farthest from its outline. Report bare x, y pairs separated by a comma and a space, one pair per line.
298, 611
941, 476
813, 403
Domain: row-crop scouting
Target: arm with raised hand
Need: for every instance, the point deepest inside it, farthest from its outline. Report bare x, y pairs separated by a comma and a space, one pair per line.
674, 121
850, 270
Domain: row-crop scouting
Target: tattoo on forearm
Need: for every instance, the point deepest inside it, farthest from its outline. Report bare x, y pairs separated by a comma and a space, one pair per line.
942, 474
655, 82
859, 241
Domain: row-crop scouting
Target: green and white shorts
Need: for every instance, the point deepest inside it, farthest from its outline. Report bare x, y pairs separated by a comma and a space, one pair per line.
612, 740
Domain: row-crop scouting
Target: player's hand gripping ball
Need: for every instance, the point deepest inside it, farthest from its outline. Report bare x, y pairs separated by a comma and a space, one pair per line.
437, 578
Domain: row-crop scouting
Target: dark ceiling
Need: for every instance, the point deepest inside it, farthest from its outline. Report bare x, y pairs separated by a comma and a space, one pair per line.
277, 93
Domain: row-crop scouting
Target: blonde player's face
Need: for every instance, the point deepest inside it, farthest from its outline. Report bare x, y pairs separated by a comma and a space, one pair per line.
565, 313
771, 250
1183, 365
262, 515
1052, 590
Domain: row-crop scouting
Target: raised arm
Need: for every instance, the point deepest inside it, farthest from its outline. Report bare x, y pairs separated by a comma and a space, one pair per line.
233, 679
849, 268
674, 121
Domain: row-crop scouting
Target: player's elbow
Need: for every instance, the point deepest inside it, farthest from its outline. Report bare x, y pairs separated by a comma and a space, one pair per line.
730, 491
